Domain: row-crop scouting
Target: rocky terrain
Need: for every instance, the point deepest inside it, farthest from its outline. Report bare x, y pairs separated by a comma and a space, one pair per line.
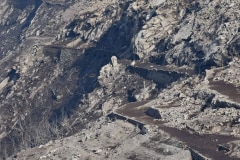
139, 79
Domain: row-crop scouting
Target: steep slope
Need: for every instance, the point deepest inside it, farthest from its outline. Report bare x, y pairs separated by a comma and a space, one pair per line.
72, 62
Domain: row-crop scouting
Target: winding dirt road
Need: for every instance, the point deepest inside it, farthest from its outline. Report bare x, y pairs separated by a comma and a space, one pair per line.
204, 144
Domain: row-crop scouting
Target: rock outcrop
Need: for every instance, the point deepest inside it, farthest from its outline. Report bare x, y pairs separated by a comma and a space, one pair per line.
67, 64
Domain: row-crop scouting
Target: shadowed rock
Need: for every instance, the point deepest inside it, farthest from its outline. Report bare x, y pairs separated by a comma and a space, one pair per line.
153, 113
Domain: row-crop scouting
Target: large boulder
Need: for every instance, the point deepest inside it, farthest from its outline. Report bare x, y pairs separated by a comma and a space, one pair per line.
153, 113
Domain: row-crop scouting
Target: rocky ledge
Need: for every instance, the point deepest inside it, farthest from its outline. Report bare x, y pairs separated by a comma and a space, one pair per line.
67, 64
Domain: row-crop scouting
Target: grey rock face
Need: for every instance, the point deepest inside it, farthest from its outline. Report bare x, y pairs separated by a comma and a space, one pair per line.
66, 64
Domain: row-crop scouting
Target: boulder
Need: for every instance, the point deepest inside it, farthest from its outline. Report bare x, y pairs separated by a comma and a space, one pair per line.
153, 113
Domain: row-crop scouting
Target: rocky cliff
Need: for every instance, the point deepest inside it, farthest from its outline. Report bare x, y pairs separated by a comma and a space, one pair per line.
67, 64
